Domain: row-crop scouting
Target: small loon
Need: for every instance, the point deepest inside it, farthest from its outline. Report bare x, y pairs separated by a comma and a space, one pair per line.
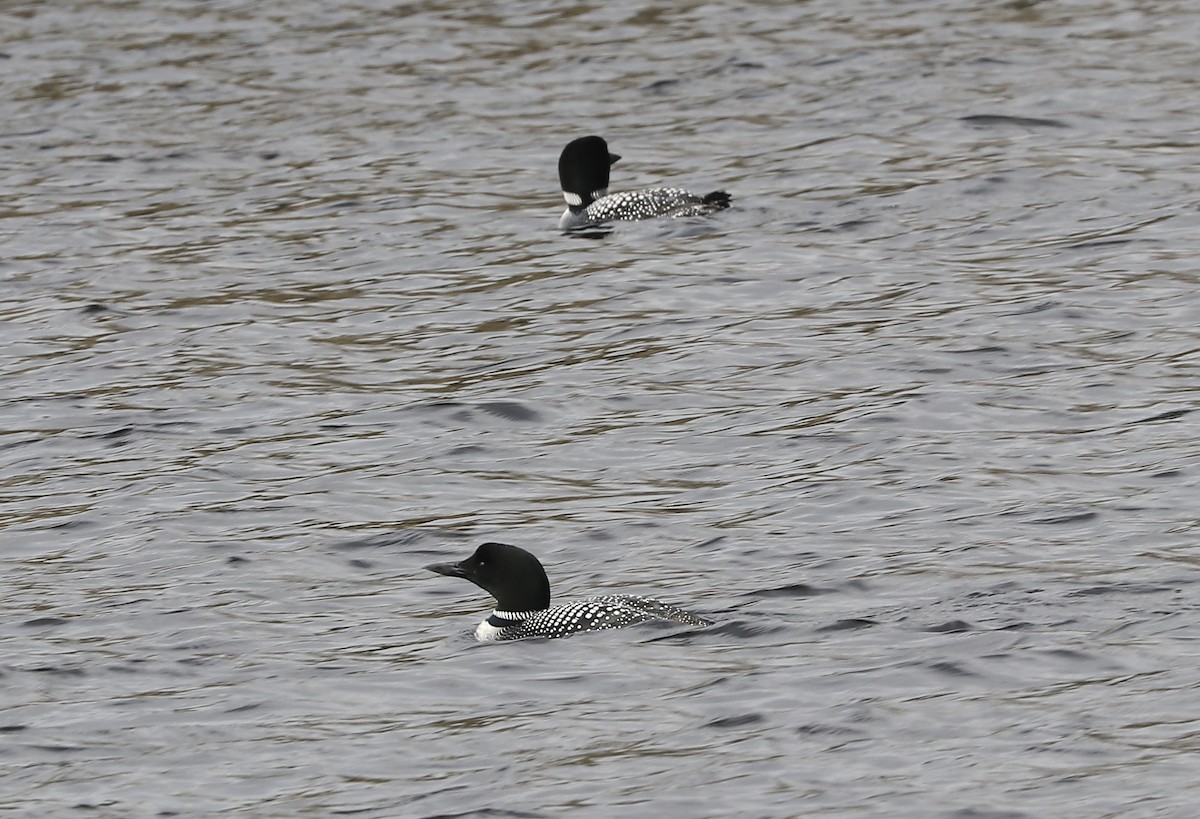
518, 582
583, 171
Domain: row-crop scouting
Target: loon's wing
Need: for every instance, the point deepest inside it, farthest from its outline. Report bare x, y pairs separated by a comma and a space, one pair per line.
664, 611
649, 203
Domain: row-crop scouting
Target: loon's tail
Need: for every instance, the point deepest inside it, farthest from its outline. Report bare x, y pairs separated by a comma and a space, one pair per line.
717, 200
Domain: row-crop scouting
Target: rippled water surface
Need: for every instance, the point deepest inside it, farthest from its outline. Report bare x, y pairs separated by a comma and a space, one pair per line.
285, 317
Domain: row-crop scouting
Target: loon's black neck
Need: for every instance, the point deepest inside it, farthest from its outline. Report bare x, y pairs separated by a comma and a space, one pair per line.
578, 203
507, 619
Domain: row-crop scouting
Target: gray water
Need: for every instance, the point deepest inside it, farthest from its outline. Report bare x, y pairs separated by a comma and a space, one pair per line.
285, 317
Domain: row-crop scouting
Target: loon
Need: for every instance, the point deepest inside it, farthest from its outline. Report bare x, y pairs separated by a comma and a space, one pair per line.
522, 591
583, 171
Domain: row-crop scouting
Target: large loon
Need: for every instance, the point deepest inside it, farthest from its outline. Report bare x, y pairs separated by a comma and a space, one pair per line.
518, 582
583, 171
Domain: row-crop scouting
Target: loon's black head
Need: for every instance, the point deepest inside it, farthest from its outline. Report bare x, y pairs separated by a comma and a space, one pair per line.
512, 575
583, 171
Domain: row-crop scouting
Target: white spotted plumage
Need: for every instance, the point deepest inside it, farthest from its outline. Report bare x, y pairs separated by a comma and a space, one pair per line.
628, 206
590, 614
647, 204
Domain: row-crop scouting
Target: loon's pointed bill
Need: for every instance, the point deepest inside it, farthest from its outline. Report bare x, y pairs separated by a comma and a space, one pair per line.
522, 591
583, 172
448, 569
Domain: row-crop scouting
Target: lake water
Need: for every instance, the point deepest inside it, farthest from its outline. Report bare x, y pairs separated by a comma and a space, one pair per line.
286, 317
